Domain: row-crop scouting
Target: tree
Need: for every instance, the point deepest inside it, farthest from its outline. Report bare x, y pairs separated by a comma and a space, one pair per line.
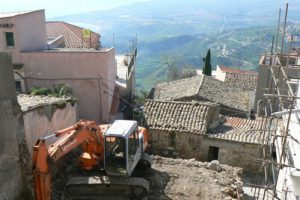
140, 98
188, 71
207, 66
173, 72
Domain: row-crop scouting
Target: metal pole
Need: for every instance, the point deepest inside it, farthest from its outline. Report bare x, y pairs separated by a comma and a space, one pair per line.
284, 27
277, 34
272, 46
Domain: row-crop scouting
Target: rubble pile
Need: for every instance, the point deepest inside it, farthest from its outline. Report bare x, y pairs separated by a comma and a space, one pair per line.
191, 179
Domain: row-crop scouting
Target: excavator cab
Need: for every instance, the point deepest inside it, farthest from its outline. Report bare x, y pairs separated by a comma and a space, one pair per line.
123, 148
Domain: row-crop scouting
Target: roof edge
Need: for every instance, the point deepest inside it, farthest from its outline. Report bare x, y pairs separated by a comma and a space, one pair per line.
204, 103
21, 13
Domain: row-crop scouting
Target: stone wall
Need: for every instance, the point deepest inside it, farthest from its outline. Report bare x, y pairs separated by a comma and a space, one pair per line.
14, 157
234, 153
48, 119
174, 144
189, 145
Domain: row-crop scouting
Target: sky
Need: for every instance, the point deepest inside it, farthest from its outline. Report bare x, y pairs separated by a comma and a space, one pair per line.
56, 8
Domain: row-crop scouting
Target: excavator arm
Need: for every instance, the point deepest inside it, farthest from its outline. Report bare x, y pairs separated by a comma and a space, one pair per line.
85, 133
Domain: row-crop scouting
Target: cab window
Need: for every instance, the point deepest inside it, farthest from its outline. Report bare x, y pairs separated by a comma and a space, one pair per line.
133, 145
115, 154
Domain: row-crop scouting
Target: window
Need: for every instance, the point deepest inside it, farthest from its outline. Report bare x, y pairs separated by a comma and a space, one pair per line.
18, 86
115, 154
133, 146
10, 42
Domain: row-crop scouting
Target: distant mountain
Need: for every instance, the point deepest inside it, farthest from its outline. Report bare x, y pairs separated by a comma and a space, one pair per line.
238, 32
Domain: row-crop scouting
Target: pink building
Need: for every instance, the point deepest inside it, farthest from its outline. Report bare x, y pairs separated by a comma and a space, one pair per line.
90, 72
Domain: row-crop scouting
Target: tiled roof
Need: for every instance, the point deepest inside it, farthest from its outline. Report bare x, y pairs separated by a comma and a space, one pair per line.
236, 71
240, 130
244, 81
177, 116
202, 88
174, 90
240, 78
215, 90
72, 34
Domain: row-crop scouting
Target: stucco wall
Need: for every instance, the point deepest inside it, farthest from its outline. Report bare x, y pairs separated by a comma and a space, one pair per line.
91, 76
188, 145
220, 75
29, 33
45, 120
14, 158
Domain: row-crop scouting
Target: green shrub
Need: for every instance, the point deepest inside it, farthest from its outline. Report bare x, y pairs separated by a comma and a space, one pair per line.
39, 91
60, 90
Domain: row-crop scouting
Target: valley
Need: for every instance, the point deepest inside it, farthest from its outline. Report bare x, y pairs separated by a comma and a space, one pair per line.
237, 33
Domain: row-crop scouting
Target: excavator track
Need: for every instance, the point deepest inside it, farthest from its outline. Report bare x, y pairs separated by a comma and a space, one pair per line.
106, 187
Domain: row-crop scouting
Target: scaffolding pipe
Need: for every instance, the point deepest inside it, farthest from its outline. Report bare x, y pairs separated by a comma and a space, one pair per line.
284, 27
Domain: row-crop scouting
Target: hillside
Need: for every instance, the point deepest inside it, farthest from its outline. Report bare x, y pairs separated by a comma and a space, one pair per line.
237, 32
238, 48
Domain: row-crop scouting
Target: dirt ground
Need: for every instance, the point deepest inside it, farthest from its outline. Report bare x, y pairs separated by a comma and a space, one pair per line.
179, 179
190, 179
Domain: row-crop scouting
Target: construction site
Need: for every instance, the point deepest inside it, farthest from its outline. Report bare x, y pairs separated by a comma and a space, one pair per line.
279, 107
75, 135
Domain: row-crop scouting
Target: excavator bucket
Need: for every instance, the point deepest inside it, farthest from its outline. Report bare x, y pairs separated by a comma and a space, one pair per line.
106, 187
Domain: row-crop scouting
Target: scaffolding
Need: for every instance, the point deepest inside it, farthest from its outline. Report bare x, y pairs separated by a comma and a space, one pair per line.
278, 109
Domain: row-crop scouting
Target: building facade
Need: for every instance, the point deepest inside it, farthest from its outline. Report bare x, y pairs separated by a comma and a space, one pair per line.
90, 72
177, 128
277, 97
196, 130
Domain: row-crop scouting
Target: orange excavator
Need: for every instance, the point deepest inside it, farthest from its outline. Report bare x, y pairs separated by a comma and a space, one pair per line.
118, 148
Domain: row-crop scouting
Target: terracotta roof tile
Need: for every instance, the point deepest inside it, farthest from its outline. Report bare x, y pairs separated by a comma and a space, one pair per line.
177, 116
240, 130
72, 34
236, 71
